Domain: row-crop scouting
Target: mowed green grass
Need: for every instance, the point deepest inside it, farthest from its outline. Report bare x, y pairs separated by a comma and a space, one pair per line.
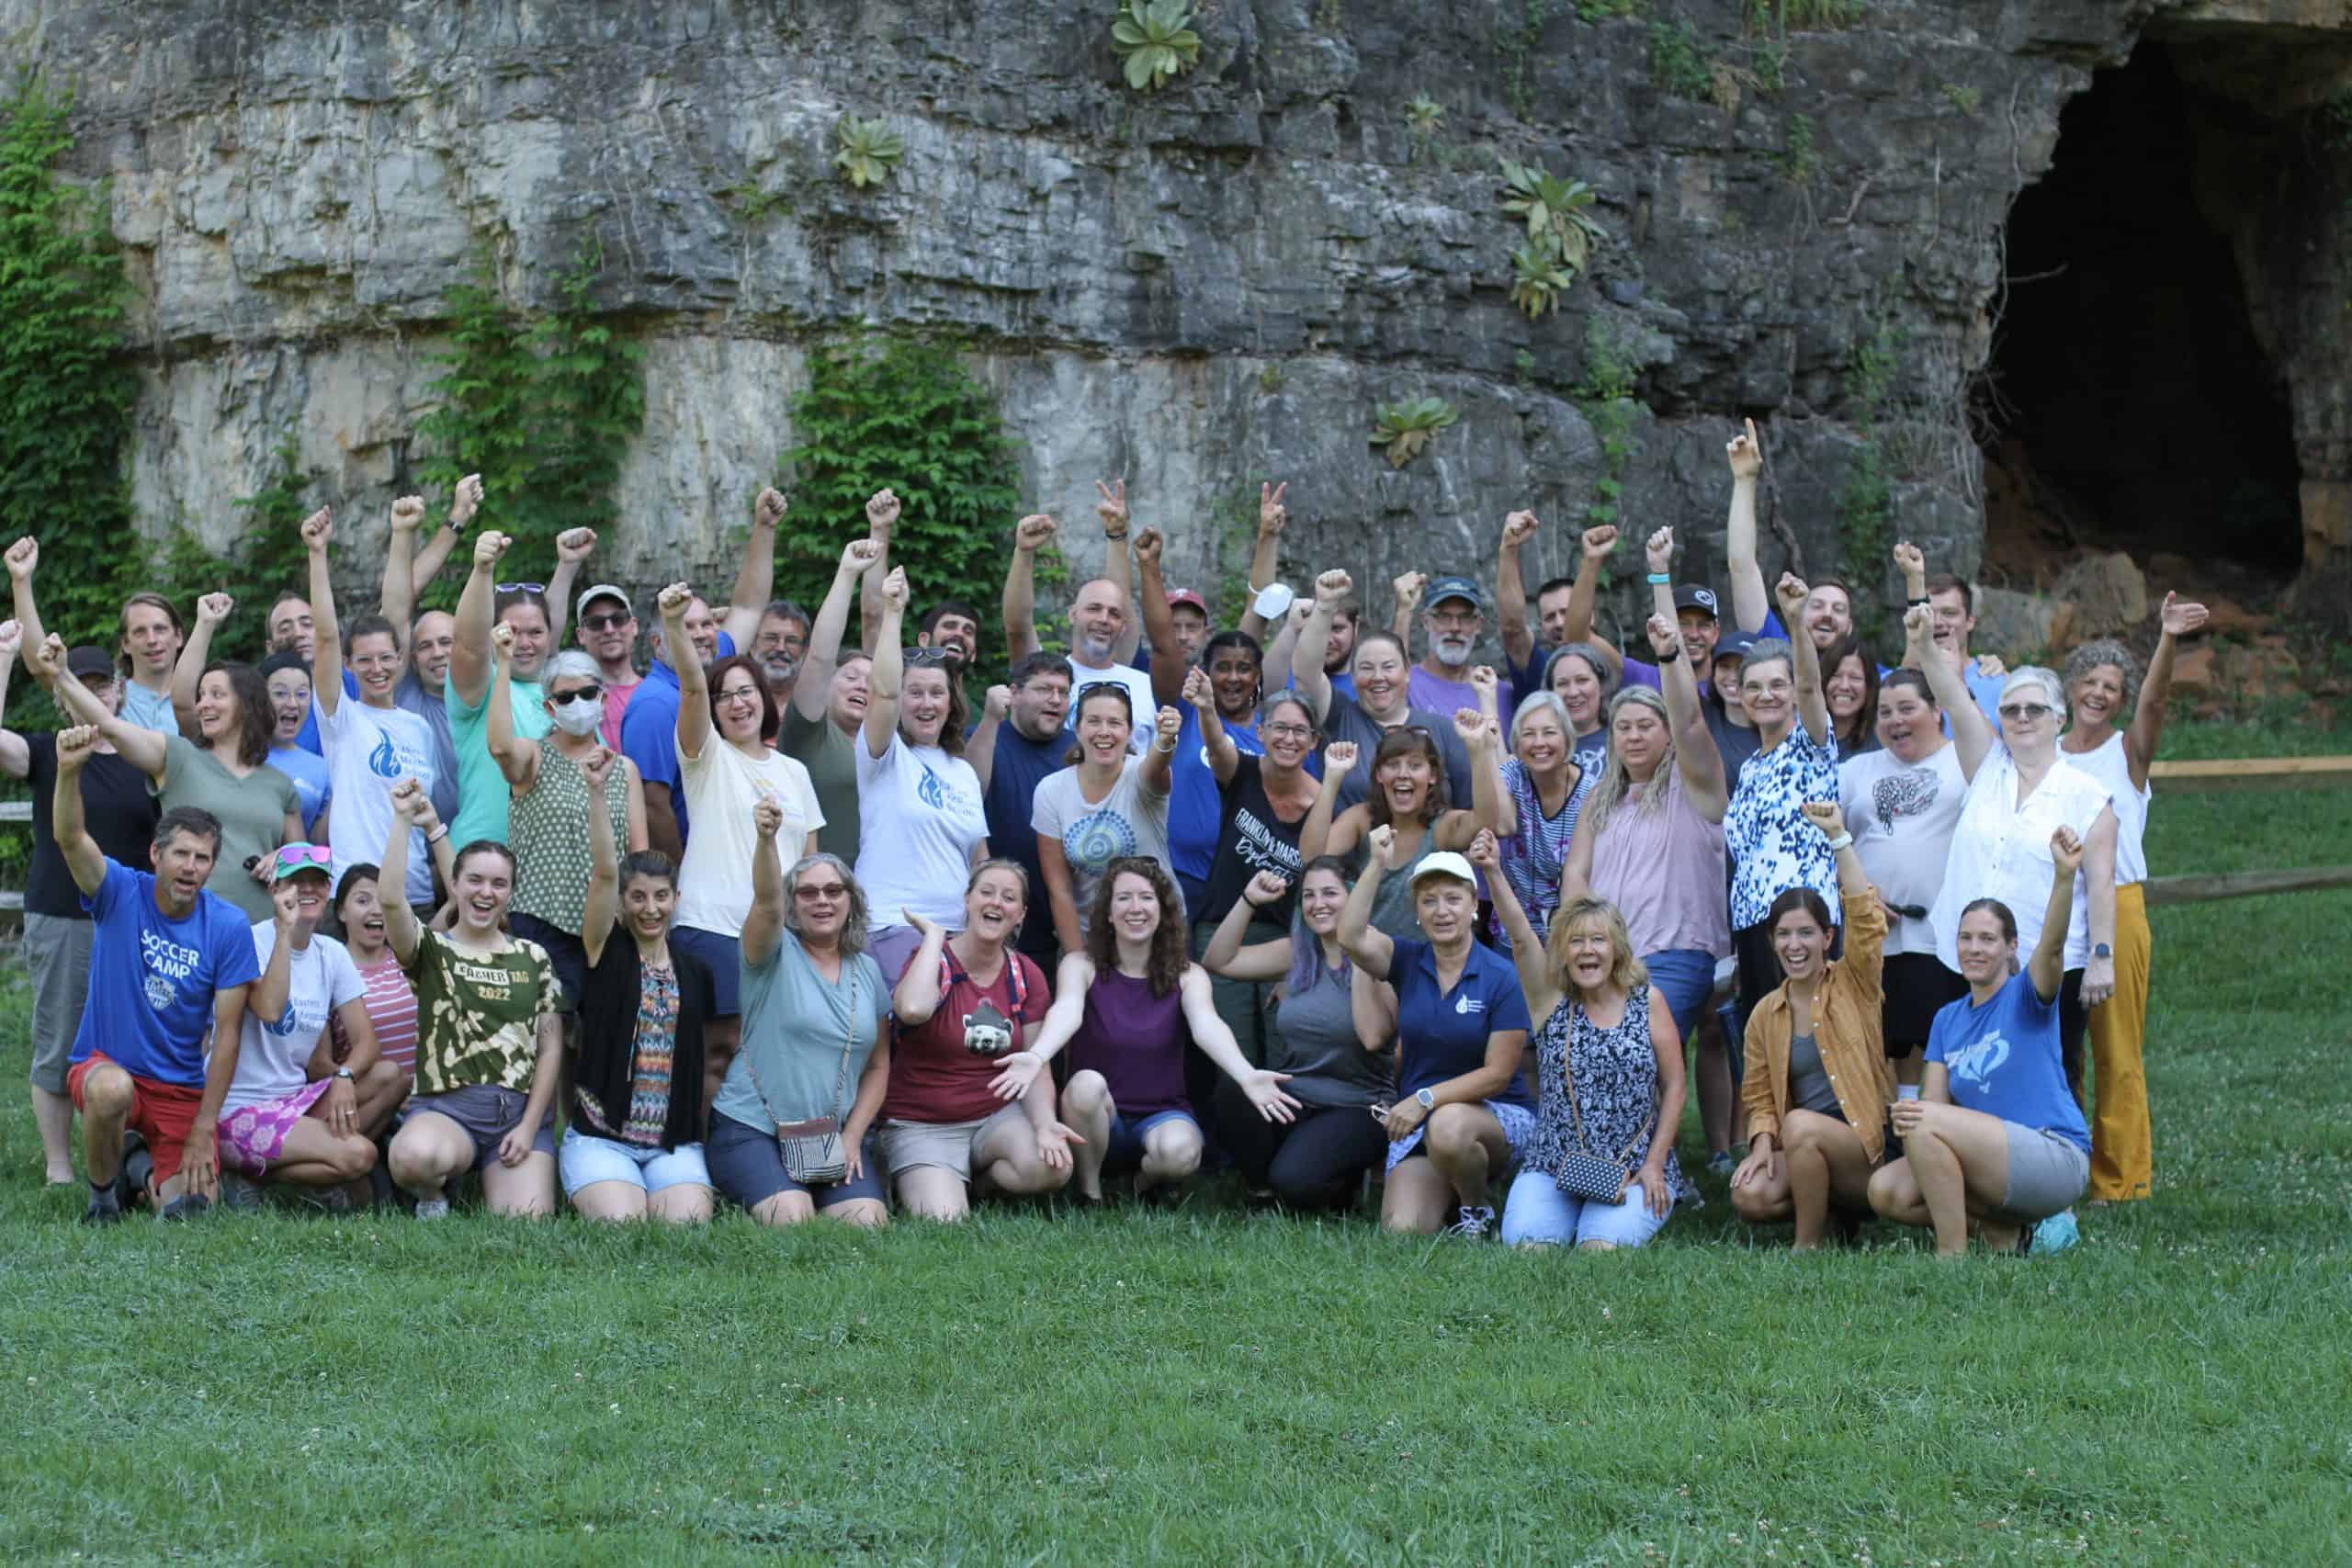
1207, 1386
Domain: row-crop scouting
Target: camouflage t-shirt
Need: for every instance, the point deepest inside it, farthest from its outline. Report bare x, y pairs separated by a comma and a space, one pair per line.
478, 1015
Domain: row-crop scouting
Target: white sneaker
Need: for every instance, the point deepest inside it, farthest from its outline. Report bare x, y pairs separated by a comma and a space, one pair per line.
1476, 1224
433, 1208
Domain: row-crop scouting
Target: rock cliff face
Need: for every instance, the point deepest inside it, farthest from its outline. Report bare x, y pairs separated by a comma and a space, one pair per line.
1196, 287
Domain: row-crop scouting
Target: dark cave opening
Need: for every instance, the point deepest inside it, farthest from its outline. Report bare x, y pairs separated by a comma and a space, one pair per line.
2134, 404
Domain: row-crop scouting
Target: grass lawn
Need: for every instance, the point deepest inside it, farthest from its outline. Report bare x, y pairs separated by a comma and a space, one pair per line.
1207, 1386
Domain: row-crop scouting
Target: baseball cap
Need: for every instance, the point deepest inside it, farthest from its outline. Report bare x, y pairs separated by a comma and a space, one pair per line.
90, 662
1737, 645
296, 857
1446, 588
1187, 596
1696, 596
1444, 863
602, 591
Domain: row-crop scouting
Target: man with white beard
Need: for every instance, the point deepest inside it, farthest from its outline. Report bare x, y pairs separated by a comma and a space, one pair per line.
780, 646
1453, 622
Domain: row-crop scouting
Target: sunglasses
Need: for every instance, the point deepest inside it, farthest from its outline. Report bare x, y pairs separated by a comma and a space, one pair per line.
588, 693
522, 587
610, 621
2025, 710
291, 858
920, 657
827, 890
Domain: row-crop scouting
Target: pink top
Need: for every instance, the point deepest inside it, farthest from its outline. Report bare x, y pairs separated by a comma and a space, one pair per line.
1665, 872
392, 1008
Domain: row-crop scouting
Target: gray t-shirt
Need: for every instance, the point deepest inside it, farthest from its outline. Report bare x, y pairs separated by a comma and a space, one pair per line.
1903, 817
1130, 820
794, 1025
1347, 721
1809, 1085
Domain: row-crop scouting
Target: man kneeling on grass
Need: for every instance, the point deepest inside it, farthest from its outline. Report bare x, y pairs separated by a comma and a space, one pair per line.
169, 962
295, 1113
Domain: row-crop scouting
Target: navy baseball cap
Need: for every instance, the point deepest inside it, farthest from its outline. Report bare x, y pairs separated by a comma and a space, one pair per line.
1446, 588
1737, 645
1696, 596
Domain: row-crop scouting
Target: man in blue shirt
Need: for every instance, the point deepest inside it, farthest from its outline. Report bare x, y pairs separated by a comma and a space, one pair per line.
169, 964
1017, 745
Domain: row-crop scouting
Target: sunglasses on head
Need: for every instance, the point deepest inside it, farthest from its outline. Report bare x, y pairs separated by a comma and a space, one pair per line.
919, 656
521, 588
291, 858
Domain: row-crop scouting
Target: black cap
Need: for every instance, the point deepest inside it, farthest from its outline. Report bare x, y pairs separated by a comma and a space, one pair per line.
1697, 596
90, 662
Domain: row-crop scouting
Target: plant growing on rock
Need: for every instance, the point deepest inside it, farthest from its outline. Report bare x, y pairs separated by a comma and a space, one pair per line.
1554, 210
1539, 279
1406, 429
1424, 117
867, 150
1155, 39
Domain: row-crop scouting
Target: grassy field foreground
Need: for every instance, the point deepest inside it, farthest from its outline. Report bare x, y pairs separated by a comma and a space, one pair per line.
1206, 1386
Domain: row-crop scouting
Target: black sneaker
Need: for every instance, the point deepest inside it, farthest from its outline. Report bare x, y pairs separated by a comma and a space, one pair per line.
187, 1206
105, 1208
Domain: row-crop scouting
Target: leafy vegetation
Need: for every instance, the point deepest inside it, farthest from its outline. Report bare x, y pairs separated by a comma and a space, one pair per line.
1539, 278
1866, 500
1678, 66
1966, 98
1424, 117
1809, 15
1799, 160
542, 406
1556, 211
1156, 41
1607, 397
903, 413
867, 151
269, 558
66, 387
1406, 429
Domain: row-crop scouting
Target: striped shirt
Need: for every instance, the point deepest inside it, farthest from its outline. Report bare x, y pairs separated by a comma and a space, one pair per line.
392, 1008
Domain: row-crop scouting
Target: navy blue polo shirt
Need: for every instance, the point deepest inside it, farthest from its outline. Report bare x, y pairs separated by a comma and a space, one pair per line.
1443, 1035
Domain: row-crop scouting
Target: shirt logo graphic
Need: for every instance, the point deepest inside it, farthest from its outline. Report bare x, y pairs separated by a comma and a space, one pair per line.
1976, 1063
160, 993
384, 762
1094, 841
1469, 1005
932, 792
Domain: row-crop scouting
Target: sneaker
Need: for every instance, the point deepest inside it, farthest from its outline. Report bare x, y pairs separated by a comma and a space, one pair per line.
239, 1194
1721, 1164
187, 1206
433, 1208
1475, 1224
138, 1170
105, 1208
2055, 1233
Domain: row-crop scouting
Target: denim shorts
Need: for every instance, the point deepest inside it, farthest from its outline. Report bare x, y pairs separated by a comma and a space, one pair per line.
488, 1114
584, 1160
1124, 1150
1685, 977
746, 1165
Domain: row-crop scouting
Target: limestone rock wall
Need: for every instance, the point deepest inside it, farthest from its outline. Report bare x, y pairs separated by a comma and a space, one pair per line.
1196, 288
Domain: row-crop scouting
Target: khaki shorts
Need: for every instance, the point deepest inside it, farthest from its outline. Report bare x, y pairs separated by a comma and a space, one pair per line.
950, 1146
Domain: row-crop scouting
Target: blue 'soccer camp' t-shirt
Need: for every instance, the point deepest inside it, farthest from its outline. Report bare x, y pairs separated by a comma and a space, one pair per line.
152, 979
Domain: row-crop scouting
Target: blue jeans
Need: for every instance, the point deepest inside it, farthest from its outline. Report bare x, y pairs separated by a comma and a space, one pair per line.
1686, 977
1538, 1212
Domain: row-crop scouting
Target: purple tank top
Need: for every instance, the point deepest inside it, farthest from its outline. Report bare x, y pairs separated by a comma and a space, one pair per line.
1136, 1040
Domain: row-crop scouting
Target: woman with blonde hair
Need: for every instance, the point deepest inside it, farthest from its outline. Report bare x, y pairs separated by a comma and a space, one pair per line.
1600, 1171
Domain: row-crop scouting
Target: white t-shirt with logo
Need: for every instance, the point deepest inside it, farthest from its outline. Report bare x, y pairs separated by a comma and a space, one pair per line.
274, 1056
1902, 815
368, 750
920, 817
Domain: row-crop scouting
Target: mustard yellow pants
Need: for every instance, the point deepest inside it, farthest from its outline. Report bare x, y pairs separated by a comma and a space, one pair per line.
2122, 1146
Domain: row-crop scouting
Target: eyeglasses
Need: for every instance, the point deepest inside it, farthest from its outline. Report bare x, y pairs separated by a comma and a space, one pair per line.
2029, 712
739, 695
521, 588
291, 858
610, 621
821, 890
592, 692
1288, 732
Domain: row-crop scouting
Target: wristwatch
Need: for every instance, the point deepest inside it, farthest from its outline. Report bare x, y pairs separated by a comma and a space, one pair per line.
2100, 950
343, 1073
1428, 1101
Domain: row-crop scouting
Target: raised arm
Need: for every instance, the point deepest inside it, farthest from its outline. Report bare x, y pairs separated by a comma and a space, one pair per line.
2147, 732
1168, 664
1282, 652
755, 579
196, 651
1511, 590
1331, 590
980, 747
410, 804
764, 926
601, 911
1575, 870
1370, 947
572, 548
1214, 1039
693, 681
517, 759
1265, 557
470, 644
812, 691
1224, 755
326, 659
1155, 775
142, 748
267, 997
1260, 961
1112, 509
917, 995
1749, 607
2046, 965
1912, 562
409, 570
23, 559
83, 857
1698, 761
1584, 592
1314, 833
1480, 733
1971, 737
1527, 950
1409, 590
1813, 709
1033, 533
889, 667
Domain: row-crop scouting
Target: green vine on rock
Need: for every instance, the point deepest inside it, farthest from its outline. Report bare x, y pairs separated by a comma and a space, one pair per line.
1866, 500
269, 558
66, 386
542, 407
1607, 395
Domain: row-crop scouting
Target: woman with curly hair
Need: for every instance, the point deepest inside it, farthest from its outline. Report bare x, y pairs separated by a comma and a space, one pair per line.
1123, 1008
2103, 683
1408, 797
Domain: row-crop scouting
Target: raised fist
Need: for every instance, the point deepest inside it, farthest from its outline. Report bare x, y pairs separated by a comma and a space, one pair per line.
12, 637
2066, 850
1825, 817
490, 548
318, 529
1332, 587
23, 556
894, 589
1340, 757
882, 510
1485, 853
1909, 561
1033, 532
1149, 543
1664, 639
1597, 542
1197, 690
1170, 725
502, 641
858, 557
767, 816
576, 545
1791, 591
1518, 528
997, 702
214, 608
1266, 888
75, 745
467, 502
672, 600
1410, 588
1386, 852
1659, 551
599, 766
408, 513
768, 511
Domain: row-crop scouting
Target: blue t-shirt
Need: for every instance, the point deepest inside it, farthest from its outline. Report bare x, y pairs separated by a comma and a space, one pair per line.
1443, 1035
152, 979
314, 784
2004, 1060
1021, 765
1195, 806
649, 732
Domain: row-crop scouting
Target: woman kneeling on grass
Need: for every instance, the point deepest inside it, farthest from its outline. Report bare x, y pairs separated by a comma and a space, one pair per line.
965, 1001
783, 1144
1817, 1082
1462, 1113
1994, 1135
1600, 1171
489, 1018
1334, 1028
634, 1147
1122, 1007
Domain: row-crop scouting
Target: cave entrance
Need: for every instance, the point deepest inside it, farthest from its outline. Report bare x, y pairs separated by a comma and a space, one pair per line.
2132, 404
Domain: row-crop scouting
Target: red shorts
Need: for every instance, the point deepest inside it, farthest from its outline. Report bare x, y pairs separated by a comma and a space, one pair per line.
163, 1113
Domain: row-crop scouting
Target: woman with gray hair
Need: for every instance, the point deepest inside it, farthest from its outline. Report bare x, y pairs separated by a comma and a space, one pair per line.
1650, 841
788, 1139
1530, 798
548, 823
2022, 793
1581, 676
2102, 682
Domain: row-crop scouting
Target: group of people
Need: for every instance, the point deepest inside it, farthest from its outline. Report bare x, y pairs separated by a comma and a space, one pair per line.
819, 923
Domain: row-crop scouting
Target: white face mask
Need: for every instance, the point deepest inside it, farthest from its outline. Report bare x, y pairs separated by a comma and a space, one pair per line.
577, 719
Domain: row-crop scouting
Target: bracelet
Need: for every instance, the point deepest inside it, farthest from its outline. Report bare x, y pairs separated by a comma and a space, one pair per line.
1116, 537
437, 834
1670, 655
1842, 841
1913, 604
1167, 751
1660, 579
